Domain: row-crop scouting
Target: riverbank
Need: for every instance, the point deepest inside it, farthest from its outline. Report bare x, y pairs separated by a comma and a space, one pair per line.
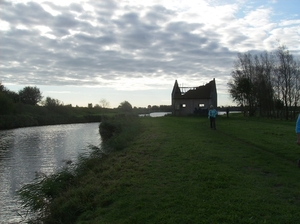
178, 170
26, 153
29, 116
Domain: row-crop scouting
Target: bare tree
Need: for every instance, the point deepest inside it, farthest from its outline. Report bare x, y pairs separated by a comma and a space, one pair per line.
287, 74
263, 88
104, 103
296, 90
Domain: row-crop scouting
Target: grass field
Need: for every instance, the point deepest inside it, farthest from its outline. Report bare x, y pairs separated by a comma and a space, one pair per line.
178, 170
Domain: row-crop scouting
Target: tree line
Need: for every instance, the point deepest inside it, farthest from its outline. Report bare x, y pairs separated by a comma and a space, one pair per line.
29, 100
28, 95
267, 84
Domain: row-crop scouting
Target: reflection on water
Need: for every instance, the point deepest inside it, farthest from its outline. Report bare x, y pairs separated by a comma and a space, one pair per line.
27, 151
155, 114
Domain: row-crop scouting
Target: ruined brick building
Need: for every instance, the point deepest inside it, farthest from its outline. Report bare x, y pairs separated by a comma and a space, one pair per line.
193, 100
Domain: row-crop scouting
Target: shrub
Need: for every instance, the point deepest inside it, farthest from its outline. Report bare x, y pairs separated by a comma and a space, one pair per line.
118, 130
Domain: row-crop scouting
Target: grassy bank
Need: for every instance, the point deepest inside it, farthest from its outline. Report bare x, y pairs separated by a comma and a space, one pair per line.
28, 115
177, 170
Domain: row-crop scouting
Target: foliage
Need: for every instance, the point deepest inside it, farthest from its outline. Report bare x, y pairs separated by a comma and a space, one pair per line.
30, 95
116, 131
7, 105
1, 87
12, 95
125, 107
50, 102
288, 79
260, 81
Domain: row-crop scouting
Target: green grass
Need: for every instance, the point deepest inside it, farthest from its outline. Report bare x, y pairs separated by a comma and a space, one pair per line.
178, 170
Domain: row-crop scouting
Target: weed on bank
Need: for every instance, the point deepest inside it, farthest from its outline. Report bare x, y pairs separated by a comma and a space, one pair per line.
178, 170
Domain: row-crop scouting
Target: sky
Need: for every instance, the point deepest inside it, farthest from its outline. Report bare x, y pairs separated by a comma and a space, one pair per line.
81, 52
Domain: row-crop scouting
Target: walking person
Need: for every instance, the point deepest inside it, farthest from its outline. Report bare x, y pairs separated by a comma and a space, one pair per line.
212, 114
298, 135
298, 130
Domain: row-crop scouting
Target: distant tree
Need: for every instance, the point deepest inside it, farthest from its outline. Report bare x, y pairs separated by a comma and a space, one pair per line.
104, 103
1, 87
13, 95
287, 75
7, 105
264, 70
50, 102
241, 87
10, 94
267, 82
125, 106
30, 95
155, 108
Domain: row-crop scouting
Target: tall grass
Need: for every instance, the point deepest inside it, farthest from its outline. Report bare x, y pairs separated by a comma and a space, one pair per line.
118, 131
59, 198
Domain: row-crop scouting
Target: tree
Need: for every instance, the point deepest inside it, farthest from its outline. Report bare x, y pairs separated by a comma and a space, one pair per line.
30, 95
1, 87
10, 94
7, 106
50, 102
287, 75
241, 87
266, 81
264, 70
104, 103
125, 106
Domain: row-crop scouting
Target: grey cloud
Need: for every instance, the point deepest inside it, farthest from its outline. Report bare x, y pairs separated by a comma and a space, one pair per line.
76, 7
27, 14
104, 9
66, 21
173, 49
159, 13
101, 40
183, 26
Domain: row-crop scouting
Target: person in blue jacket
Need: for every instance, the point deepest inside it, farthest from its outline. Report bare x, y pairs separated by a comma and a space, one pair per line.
298, 135
298, 129
212, 114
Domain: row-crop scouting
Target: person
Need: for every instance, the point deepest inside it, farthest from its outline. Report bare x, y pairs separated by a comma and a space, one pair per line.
298, 135
212, 114
227, 111
298, 130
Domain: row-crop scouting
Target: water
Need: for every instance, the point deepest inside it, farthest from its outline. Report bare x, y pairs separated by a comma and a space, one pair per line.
27, 152
230, 112
155, 114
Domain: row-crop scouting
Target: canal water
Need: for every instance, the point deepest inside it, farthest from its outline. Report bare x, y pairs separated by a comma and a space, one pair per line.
28, 152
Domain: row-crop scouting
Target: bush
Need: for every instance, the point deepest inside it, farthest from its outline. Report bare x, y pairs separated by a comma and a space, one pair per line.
118, 130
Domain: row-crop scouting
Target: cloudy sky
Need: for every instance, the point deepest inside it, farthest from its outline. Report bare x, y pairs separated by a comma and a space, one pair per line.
80, 52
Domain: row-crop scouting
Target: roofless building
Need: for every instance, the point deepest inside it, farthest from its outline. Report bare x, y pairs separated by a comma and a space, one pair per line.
193, 100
